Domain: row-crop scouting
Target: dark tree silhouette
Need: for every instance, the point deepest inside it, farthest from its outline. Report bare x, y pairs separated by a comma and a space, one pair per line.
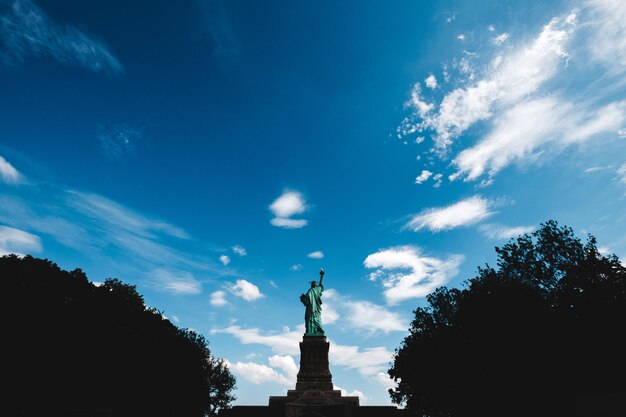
74, 349
541, 334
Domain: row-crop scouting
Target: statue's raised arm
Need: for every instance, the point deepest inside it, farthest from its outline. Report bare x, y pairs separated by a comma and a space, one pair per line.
312, 300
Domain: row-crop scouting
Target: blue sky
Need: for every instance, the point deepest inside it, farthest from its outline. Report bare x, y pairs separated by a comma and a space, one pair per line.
217, 154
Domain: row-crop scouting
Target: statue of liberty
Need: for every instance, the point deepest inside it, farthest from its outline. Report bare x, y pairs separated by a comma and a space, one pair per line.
312, 300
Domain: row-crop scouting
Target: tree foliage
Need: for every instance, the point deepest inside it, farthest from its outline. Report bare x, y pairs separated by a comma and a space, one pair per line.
541, 334
72, 347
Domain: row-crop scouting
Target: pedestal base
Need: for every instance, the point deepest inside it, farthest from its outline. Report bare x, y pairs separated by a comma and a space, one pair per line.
314, 395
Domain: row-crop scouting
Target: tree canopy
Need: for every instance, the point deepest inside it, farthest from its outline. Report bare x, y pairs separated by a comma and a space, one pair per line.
540, 334
74, 348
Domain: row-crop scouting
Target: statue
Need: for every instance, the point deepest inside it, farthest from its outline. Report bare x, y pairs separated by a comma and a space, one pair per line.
312, 300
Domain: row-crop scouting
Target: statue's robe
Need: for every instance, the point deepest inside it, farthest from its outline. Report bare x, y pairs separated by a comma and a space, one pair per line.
313, 313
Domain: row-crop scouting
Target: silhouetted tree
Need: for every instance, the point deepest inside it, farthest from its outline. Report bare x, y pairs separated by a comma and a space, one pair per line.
73, 348
541, 334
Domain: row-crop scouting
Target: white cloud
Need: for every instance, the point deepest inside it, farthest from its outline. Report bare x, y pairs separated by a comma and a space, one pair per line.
501, 38
621, 172
418, 103
355, 393
26, 30
18, 241
246, 290
8, 173
536, 80
225, 260
288, 204
239, 250
368, 361
285, 342
258, 373
431, 82
437, 178
463, 213
287, 223
498, 231
218, 299
491, 28
511, 78
555, 122
424, 176
360, 314
461, 37
316, 255
406, 273
596, 169
175, 282
384, 379
296, 267
607, 33
109, 212
372, 317
330, 314
287, 364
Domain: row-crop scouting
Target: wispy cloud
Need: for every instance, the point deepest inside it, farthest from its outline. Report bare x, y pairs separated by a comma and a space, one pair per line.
287, 223
621, 173
407, 273
509, 80
295, 267
8, 173
367, 361
285, 342
100, 228
462, 213
288, 204
536, 80
372, 317
118, 142
107, 211
555, 122
607, 30
176, 282
501, 38
361, 315
26, 30
227, 48
499, 231
18, 241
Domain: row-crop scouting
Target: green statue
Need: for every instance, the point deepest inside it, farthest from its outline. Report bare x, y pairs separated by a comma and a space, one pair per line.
312, 300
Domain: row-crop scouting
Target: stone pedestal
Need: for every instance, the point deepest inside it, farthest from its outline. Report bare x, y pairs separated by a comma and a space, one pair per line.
314, 386
314, 394
314, 372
